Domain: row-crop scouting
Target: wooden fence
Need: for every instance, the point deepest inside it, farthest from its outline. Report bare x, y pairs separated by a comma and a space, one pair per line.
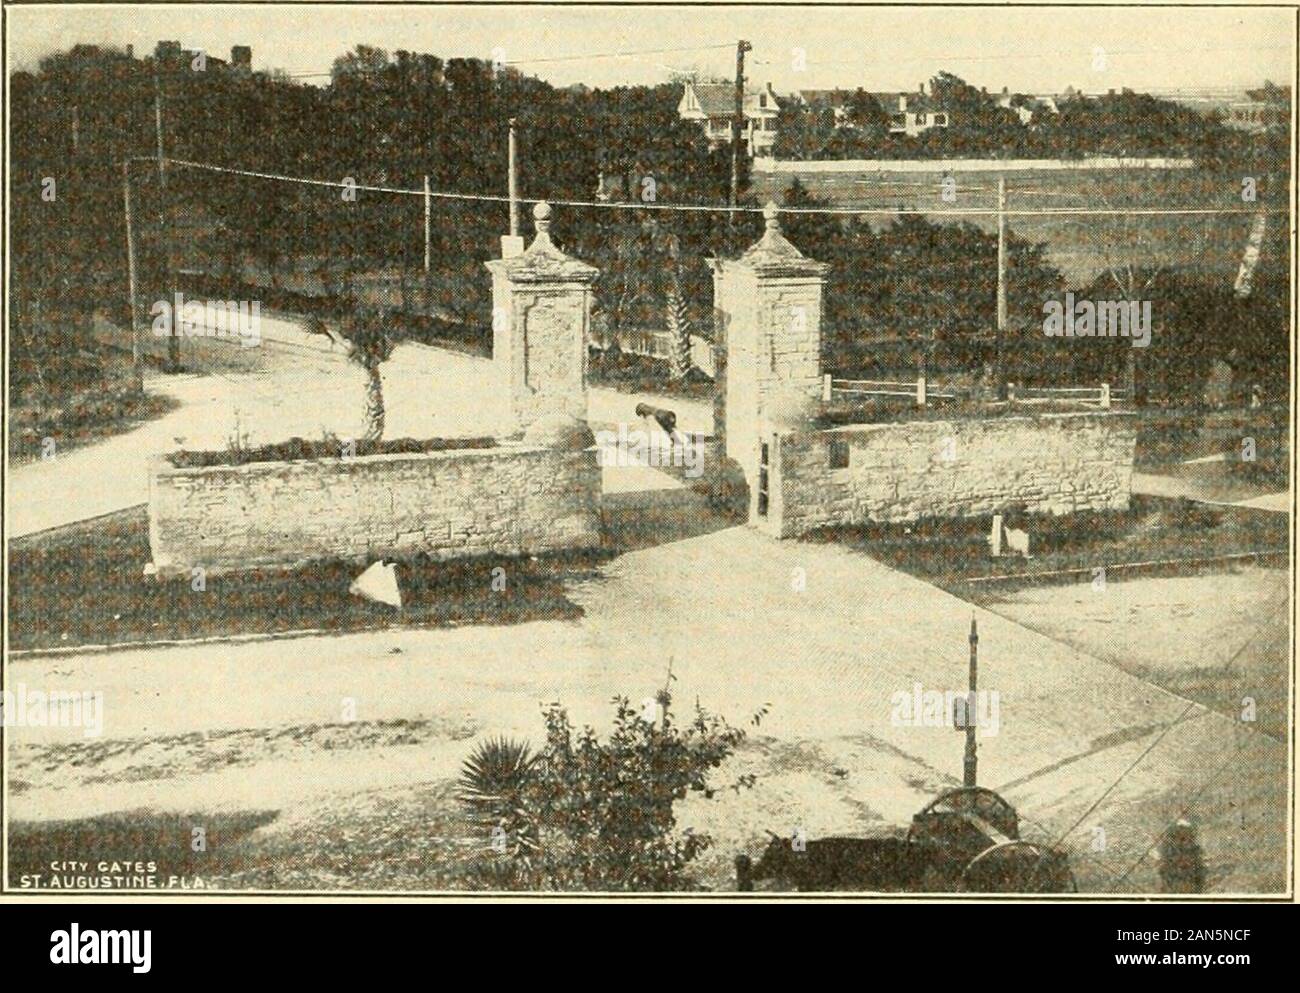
1101, 396
917, 389
922, 393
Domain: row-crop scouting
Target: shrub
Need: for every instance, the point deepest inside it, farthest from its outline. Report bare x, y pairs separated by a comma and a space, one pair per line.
300, 449
593, 815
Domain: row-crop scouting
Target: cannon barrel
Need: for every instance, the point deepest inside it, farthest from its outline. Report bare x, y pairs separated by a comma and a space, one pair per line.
666, 419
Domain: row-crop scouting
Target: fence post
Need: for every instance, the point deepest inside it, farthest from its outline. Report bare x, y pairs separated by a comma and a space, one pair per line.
1105, 396
920, 389
1011, 393
826, 388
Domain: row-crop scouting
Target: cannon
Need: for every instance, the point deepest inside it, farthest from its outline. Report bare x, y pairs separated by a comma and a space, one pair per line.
958, 843
666, 419
973, 835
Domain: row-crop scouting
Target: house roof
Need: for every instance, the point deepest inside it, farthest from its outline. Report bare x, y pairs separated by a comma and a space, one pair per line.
917, 102
832, 98
888, 99
719, 99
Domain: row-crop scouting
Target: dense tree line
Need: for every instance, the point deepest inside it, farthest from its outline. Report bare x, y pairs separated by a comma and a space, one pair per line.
1122, 124
382, 121
389, 120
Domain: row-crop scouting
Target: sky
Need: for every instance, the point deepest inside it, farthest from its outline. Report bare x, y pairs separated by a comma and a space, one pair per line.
1027, 49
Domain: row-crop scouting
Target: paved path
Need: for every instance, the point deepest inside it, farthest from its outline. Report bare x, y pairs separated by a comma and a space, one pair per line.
826, 662
291, 386
1152, 484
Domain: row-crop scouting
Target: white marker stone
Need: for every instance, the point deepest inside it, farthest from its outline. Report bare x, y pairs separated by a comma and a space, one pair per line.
378, 583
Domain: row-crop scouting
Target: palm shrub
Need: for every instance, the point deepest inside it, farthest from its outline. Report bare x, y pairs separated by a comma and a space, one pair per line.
678, 321
372, 345
668, 253
366, 333
492, 785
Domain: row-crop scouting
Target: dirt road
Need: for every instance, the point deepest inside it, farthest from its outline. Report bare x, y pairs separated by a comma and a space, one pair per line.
826, 661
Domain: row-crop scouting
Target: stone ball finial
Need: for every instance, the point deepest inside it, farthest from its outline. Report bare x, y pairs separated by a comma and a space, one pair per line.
772, 216
542, 217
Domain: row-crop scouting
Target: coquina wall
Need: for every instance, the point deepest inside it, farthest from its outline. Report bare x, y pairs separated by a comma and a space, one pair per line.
1051, 463
511, 499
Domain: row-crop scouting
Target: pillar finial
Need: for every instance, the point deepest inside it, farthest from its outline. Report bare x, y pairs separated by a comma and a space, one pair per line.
772, 216
542, 219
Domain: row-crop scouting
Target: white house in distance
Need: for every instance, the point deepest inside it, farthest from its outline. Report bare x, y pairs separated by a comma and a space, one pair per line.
909, 113
1025, 106
913, 113
713, 104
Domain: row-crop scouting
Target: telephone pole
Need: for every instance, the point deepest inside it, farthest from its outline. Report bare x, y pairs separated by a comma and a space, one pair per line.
428, 227
136, 358
514, 181
173, 342
737, 125
968, 766
158, 135
1002, 278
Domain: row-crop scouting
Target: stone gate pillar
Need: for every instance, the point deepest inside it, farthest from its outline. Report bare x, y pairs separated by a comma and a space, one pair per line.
769, 304
541, 312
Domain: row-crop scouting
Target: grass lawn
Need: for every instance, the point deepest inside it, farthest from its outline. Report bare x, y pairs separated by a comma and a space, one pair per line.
85, 585
413, 839
1170, 437
103, 405
951, 552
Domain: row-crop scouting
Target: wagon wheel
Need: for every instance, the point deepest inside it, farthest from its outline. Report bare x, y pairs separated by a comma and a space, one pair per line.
1019, 867
977, 800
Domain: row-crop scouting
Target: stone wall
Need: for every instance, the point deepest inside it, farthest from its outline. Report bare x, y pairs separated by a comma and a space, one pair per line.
1051, 463
507, 500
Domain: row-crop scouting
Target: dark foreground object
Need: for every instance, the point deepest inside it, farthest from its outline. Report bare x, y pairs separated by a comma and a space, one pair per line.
888, 865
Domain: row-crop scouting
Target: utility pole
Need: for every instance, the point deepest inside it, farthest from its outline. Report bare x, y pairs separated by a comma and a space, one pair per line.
428, 227
158, 135
75, 129
737, 125
173, 342
136, 358
514, 182
968, 766
1002, 279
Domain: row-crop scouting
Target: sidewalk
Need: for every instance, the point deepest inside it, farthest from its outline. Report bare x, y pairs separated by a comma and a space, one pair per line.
1222, 493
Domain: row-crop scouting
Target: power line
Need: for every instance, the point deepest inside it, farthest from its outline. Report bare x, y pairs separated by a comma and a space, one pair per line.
722, 208
1232, 757
618, 55
1191, 704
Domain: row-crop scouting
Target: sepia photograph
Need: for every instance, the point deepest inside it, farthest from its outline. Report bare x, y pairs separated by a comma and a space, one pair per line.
733, 453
